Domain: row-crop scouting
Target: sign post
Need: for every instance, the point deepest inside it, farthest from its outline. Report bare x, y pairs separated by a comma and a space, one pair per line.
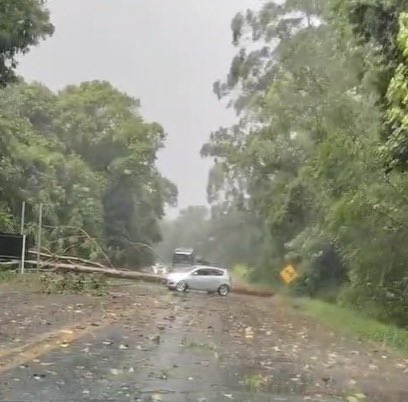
24, 239
23, 251
22, 217
39, 236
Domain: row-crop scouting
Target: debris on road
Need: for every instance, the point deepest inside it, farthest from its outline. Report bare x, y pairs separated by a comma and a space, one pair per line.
237, 347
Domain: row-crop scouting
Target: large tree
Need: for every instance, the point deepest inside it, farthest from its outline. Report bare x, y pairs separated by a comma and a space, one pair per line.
89, 157
23, 24
104, 127
307, 155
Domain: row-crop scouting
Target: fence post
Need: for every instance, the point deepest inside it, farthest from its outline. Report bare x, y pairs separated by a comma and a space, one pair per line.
23, 255
24, 238
39, 235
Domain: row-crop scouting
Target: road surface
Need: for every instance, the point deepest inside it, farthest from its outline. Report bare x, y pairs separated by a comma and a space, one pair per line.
149, 344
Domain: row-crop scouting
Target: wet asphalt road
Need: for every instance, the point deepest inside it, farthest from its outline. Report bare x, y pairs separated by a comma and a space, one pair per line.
173, 348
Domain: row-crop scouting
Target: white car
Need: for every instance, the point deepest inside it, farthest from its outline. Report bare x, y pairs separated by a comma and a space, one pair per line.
209, 279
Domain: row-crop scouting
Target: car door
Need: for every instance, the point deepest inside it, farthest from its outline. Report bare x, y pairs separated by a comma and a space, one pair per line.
198, 279
214, 279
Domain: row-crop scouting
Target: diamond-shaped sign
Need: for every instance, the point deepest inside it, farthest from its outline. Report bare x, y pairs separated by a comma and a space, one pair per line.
288, 274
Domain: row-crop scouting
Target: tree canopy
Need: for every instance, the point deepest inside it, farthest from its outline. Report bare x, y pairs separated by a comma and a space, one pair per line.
23, 24
89, 157
318, 154
85, 153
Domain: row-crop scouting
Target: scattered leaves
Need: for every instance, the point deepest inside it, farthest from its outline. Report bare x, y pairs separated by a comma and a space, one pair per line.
249, 333
355, 397
255, 382
107, 343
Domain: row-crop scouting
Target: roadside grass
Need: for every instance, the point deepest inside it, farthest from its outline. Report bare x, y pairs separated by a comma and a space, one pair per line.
54, 284
7, 275
353, 323
11, 279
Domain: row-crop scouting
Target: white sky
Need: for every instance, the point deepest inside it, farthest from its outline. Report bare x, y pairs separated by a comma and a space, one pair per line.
166, 53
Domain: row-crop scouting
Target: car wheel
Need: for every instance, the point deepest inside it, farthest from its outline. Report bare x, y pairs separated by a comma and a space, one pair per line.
181, 286
223, 290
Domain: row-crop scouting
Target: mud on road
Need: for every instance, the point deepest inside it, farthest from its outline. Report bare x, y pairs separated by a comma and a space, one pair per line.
143, 343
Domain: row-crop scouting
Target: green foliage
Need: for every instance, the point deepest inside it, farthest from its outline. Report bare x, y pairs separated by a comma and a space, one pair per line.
89, 284
397, 97
85, 153
7, 275
23, 23
383, 25
255, 382
241, 272
88, 156
358, 325
385, 303
321, 91
103, 126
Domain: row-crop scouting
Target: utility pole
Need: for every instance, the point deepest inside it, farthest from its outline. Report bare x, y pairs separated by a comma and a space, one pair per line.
39, 235
24, 238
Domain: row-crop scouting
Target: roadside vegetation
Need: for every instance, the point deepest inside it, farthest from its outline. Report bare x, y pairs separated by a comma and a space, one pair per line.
315, 171
70, 283
7, 276
85, 152
349, 322
12, 280
55, 283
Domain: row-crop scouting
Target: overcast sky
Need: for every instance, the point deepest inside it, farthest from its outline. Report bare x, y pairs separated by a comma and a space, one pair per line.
166, 53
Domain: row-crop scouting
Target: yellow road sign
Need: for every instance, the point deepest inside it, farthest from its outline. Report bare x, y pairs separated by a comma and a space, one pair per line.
288, 274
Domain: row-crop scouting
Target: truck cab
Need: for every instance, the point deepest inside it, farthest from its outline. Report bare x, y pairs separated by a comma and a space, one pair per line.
183, 257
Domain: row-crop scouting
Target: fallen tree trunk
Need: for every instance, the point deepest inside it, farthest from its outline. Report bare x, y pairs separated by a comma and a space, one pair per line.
111, 272
122, 274
244, 289
57, 257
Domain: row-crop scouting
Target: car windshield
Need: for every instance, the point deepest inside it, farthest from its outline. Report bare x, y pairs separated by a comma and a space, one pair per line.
261, 142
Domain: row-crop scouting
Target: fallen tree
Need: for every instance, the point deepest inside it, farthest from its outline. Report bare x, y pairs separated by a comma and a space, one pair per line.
110, 272
252, 290
58, 263
68, 258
